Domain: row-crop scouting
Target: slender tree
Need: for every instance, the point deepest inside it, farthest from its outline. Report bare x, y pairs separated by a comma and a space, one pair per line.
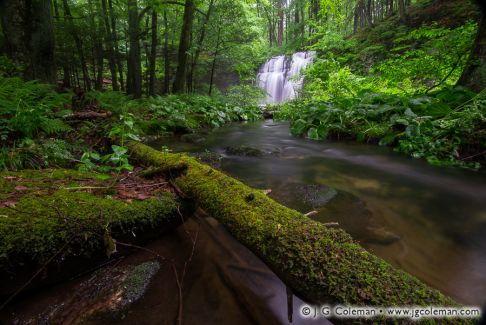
184, 44
199, 44
29, 36
166, 89
153, 54
281, 19
79, 44
402, 10
109, 45
134, 81
115, 43
474, 75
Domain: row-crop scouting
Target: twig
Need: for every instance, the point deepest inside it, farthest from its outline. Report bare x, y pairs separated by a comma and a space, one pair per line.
331, 224
178, 190
179, 287
447, 76
311, 213
143, 249
84, 188
151, 185
475, 155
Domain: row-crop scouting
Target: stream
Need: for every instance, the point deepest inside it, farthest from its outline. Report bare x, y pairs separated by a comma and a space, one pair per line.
426, 220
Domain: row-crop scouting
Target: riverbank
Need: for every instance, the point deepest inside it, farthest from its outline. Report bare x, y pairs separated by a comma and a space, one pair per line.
447, 128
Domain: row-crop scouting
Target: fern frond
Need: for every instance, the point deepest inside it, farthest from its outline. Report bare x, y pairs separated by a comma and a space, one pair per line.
54, 126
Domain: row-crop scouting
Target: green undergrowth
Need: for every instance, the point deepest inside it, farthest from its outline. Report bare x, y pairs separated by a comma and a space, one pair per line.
320, 264
427, 52
55, 213
447, 128
39, 127
394, 84
178, 113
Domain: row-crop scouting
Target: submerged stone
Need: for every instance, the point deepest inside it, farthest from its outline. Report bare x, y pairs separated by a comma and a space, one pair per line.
357, 219
193, 138
211, 158
316, 195
243, 151
381, 236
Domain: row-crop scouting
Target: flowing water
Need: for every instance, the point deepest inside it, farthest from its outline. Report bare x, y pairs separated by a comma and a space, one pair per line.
426, 220
280, 76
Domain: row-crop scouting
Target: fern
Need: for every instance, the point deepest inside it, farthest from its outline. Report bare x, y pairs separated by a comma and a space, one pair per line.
27, 108
54, 126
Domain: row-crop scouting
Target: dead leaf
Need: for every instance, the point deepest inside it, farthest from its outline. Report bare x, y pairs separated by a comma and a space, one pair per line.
126, 194
21, 188
8, 204
142, 196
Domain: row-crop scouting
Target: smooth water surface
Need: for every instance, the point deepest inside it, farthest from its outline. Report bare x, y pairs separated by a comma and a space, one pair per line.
426, 220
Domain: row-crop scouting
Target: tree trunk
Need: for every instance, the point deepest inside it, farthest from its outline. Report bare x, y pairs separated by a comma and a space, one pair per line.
96, 36
213, 65
153, 54
29, 37
280, 33
402, 11
166, 55
199, 44
134, 82
109, 46
474, 75
66, 71
99, 64
115, 43
369, 13
184, 45
79, 45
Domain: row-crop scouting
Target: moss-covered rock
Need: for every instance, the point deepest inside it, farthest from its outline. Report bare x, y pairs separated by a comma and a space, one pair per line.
49, 216
321, 264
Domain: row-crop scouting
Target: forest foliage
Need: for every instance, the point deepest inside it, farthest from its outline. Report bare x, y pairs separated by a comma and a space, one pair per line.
384, 71
394, 84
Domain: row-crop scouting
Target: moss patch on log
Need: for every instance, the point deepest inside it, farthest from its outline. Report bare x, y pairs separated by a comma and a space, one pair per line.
51, 215
321, 264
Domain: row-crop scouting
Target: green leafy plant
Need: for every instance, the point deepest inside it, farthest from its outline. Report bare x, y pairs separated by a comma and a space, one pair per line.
434, 127
117, 160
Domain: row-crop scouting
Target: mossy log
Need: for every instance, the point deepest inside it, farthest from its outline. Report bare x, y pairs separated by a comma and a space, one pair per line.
53, 226
321, 264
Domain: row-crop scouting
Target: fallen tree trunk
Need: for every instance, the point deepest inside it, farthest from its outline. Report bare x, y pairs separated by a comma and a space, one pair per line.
50, 221
321, 264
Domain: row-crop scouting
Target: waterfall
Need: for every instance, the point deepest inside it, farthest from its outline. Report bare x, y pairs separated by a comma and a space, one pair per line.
279, 76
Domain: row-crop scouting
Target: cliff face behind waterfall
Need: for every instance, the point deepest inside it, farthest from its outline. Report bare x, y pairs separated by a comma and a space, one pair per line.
279, 76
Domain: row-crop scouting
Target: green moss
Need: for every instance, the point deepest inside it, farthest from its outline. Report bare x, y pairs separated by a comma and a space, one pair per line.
48, 218
322, 265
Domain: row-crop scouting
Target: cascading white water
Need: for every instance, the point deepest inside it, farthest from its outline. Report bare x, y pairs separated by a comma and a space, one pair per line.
279, 76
